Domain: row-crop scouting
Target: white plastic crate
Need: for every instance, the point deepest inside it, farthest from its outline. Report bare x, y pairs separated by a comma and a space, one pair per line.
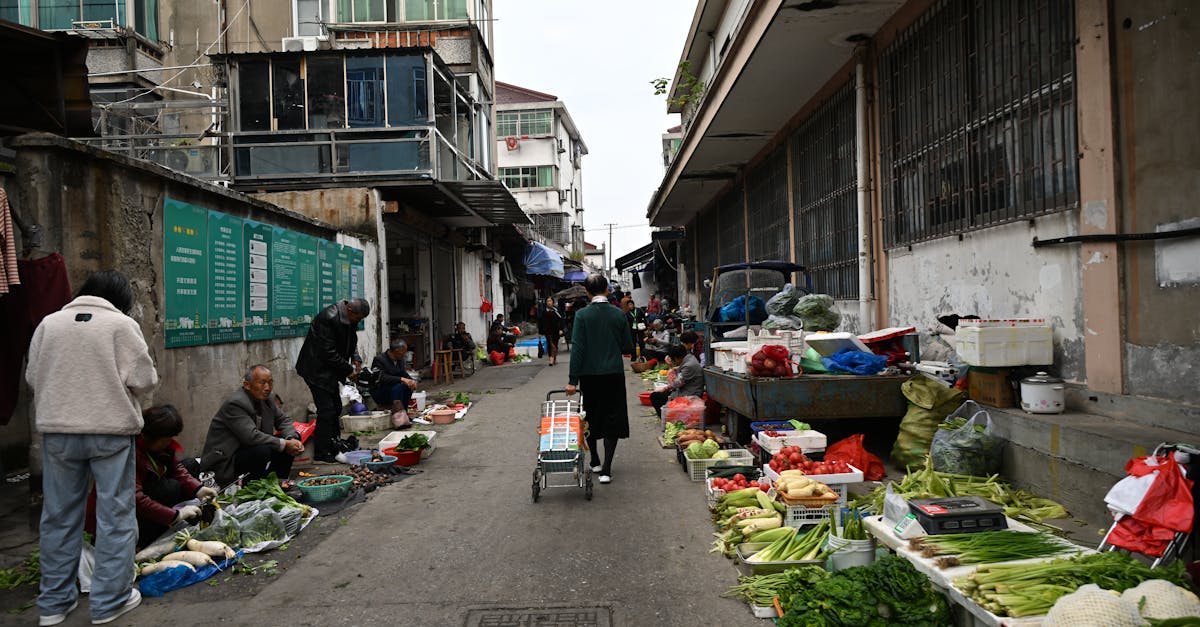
731, 359
837, 482
394, 438
371, 421
792, 340
809, 441
1022, 344
801, 516
698, 468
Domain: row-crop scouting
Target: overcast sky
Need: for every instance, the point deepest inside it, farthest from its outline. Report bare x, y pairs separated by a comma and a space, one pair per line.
598, 57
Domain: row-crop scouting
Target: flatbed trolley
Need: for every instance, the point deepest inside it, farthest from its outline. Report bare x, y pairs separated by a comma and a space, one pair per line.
561, 462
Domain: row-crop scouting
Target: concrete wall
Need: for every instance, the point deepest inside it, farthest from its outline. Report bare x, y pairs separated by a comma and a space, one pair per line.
103, 211
471, 291
1156, 44
994, 273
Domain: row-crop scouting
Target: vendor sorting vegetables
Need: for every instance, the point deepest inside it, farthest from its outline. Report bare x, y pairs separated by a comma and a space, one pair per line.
687, 379
394, 388
324, 363
242, 436
160, 481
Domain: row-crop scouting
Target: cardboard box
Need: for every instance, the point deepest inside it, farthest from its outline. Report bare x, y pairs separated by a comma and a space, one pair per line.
991, 387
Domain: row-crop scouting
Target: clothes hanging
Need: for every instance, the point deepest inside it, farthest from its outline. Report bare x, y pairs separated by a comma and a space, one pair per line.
20, 312
9, 272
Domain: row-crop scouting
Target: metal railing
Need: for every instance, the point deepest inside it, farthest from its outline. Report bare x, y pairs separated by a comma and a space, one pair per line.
767, 208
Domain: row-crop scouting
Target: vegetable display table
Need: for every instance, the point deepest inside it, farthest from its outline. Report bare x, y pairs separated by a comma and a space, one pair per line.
943, 578
806, 397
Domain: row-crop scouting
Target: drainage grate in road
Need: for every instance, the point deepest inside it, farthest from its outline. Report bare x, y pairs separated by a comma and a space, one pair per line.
555, 617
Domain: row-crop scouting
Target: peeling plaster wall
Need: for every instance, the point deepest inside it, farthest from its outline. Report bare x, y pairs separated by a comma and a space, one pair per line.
994, 273
103, 211
1156, 52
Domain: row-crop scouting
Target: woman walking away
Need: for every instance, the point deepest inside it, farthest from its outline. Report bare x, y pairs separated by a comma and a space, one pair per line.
550, 326
600, 336
88, 366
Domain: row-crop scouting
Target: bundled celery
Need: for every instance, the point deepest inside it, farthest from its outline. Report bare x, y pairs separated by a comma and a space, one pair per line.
988, 547
928, 483
853, 528
796, 547
1018, 590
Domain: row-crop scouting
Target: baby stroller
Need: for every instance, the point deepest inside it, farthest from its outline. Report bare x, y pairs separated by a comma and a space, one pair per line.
1154, 508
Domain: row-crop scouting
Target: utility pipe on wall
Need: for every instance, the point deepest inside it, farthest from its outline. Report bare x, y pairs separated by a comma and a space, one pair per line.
863, 184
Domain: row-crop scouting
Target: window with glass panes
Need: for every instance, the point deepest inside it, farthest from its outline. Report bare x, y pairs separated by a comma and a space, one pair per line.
518, 123
532, 176
63, 14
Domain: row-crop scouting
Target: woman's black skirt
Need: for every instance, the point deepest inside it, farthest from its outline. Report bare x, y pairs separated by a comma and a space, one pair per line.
605, 403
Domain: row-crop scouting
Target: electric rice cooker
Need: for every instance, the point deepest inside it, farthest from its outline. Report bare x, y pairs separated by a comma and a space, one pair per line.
1043, 394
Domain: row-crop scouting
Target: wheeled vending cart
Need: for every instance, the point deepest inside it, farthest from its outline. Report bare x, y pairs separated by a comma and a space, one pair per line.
561, 447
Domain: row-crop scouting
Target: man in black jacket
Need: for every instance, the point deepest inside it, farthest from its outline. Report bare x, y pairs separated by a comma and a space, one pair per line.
394, 388
324, 363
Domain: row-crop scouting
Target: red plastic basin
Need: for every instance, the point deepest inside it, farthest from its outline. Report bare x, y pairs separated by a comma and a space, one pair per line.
644, 397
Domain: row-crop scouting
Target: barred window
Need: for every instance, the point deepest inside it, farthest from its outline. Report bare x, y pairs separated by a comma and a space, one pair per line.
767, 208
518, 123
532, 176
553, 226
977, 110
731, 217
824, 184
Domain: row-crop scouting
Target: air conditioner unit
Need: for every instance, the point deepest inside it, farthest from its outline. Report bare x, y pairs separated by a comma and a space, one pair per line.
196, 161
563, 195
299, 44
561, 147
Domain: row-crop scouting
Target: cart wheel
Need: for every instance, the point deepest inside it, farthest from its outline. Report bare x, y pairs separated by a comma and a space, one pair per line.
587, 487
537, 485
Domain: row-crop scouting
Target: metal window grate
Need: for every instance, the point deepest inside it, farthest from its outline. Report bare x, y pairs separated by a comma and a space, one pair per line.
767, 208
823, 178
732, 218
977, 110
553, 226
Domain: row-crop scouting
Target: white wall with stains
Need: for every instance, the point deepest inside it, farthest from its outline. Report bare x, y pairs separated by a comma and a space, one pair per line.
995, 273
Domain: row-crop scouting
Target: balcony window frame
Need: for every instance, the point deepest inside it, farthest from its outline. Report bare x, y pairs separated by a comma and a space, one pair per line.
504, 174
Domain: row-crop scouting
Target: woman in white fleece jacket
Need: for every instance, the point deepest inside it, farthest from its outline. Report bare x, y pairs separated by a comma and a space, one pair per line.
88, 366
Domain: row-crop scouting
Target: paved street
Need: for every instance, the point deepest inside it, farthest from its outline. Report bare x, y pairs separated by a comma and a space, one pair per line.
464, 536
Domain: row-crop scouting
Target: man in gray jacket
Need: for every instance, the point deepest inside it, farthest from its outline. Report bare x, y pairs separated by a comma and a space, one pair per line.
242, 436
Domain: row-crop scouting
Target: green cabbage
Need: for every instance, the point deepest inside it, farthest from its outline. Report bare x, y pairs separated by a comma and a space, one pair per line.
711, 447
696, 450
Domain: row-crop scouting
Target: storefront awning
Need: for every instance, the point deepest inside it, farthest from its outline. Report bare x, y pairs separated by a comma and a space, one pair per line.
541, 259
639, 257
491, 200
460, 204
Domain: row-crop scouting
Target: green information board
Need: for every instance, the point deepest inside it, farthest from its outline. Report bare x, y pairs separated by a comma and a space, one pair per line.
285, 282
306, 251
326, 273
258, 281
185, 269
226, 278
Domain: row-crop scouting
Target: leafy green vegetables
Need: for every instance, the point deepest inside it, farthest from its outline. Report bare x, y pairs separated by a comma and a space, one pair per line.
888, 593
26, 573
414, 442
671, 431
987, 547
762, 590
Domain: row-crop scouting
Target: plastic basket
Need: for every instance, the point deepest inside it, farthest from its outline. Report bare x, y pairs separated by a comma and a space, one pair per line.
698, 468
801, 516
681, 459
394, 438
381, 465
835, 481
373, 421
321, 493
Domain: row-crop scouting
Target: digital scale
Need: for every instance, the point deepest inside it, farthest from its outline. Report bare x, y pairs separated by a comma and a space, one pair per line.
956, 514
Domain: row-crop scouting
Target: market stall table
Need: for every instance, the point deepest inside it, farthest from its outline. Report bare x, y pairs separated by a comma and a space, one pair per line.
943, 578
806, 397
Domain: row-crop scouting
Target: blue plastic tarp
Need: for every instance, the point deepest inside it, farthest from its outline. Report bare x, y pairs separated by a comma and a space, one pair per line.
165, 581
541, 259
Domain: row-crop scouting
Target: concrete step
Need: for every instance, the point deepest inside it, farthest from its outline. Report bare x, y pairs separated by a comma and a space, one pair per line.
1074, 458
1138, 409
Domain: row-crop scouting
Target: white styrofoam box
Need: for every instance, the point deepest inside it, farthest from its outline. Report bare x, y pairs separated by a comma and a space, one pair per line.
1005, 345
528, 351
393, 438
731, 359
809, 441
827, 344
836, 482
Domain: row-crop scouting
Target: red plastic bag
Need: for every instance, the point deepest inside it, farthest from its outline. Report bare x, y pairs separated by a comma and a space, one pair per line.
497, 357
851, 451
512, 352
1131, 535
1168, 503
778, 352
305, 429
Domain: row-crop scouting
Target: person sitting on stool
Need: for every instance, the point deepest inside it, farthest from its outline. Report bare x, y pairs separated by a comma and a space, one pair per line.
394, 388
241, 438
689, 378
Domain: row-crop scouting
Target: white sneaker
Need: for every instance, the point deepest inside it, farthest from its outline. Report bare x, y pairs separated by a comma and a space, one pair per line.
597, 468
135, 599
605, 479
54, 619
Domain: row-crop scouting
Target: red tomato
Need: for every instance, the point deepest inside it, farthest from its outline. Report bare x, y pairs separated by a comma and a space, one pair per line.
739, 477
795, 458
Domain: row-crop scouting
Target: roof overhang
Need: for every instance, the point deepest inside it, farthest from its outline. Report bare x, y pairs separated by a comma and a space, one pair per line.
47, 82
641, 256
786, 52
461, 204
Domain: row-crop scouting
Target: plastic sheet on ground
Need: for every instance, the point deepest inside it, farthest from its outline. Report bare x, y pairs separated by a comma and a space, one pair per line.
165, 581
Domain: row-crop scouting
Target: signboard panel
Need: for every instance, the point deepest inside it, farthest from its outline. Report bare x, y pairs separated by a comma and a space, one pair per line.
185, 270
258, 281
226, 278
285, 281
306, 251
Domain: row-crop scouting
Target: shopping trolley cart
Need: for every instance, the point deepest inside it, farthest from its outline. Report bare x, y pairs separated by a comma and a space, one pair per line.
561, 448
1163, 545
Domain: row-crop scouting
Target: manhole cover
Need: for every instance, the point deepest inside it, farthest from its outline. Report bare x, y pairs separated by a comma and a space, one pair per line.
556, 617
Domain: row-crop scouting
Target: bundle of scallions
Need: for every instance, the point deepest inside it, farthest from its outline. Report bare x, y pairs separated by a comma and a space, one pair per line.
762, 590
1018, 590
988, 547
